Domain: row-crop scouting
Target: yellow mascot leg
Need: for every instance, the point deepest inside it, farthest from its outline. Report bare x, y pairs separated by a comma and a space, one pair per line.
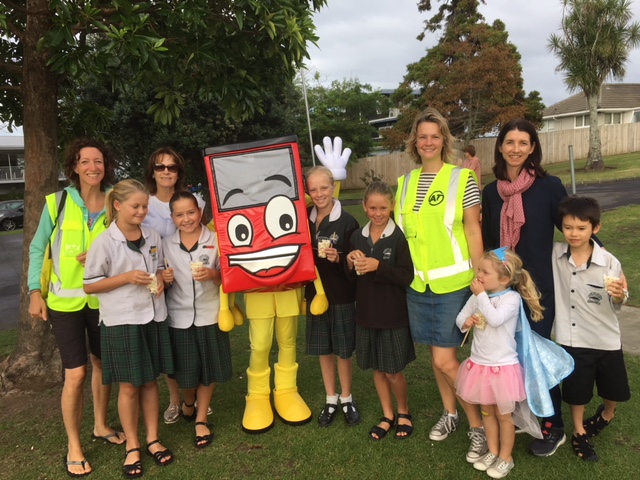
290, 406
258, 414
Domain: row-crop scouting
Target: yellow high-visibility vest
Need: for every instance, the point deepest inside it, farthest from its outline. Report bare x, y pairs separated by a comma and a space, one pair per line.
435, 233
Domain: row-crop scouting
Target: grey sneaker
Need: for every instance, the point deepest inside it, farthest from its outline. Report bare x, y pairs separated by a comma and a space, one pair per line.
478, 445
172, 414
500, 469
485, 462
446, 425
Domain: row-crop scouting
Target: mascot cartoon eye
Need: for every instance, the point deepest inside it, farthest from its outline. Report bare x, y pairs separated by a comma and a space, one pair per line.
280, 217
240, 231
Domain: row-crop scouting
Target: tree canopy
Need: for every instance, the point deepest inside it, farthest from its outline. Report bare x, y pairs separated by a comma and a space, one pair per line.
344, 109
597, 36
472, 76
203, 49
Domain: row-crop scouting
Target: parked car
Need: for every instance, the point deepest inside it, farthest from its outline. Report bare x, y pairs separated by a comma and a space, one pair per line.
11, 215
11, 204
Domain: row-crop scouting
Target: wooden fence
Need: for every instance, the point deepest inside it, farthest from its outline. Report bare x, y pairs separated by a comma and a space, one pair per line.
616, 139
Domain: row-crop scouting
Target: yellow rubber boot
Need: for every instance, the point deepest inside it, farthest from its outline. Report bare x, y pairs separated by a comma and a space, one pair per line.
258, 414
290, 406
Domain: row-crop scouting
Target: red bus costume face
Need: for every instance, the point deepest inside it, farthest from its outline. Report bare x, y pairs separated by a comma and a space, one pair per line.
257, 198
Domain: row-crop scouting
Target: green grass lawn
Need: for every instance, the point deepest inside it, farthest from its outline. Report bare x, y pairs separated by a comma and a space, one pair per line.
33, 442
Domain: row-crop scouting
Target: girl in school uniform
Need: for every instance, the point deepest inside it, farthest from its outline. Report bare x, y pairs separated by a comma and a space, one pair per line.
202, 353
381, 258
122, 269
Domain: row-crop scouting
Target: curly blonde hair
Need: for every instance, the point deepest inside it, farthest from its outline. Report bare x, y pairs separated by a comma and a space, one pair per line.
519, 279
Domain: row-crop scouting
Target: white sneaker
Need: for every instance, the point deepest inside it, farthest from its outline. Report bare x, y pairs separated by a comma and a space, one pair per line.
485, 462
446, 425
500, 469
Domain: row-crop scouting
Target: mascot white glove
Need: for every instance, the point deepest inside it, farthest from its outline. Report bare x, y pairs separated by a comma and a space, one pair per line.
333, 157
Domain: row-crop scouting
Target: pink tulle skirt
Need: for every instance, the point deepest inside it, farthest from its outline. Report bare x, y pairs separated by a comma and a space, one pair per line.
502, 386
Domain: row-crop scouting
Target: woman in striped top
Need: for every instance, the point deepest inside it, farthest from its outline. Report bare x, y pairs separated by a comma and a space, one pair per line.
438, 208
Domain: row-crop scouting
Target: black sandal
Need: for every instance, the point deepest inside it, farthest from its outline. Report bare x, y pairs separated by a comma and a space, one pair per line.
132, 470
192, 417
407, 430
160, 455
379, 431
595, 424
583, 449
203, 441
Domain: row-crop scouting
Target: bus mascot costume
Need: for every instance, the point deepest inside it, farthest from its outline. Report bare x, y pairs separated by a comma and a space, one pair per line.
257, 198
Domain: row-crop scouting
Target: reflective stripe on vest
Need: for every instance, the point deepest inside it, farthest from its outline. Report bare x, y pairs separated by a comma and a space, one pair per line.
70, 238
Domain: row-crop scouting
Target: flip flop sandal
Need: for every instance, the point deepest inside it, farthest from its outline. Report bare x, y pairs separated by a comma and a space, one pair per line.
160, 455
81, 463
379, 431
106, 438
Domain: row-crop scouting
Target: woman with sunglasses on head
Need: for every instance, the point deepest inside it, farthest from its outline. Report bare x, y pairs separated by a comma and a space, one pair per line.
165, 176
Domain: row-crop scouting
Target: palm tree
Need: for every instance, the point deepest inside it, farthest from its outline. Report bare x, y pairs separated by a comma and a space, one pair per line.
598, 37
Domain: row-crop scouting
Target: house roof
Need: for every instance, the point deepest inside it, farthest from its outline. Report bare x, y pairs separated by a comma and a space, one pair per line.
613, 96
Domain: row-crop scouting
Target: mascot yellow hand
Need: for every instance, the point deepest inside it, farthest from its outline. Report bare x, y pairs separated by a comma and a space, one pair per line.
226, 320
320, 303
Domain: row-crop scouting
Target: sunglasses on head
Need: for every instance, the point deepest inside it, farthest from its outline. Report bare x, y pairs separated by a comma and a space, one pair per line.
161, 168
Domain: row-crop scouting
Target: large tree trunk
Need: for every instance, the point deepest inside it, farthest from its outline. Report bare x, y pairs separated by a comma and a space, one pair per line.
594, 159
35, 359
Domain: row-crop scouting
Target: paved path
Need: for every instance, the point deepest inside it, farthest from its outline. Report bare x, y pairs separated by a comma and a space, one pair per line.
610, 195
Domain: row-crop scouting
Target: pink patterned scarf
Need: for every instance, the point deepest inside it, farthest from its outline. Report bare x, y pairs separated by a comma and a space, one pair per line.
512, 214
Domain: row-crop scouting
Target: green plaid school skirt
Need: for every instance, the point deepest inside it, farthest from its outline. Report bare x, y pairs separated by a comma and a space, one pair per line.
388, 350
135, 354
202, 355
333, 332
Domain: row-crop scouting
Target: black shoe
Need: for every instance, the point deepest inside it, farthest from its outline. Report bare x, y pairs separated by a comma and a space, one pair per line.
595, 424
583, 449
552, 438
351, 415
328, 414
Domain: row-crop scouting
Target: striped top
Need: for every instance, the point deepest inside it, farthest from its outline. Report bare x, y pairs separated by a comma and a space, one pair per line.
471, 193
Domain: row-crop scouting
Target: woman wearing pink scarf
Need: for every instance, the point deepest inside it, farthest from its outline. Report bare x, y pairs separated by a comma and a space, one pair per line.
520, 211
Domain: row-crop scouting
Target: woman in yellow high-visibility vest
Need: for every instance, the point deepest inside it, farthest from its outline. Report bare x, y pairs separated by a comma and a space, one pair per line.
71, 220
438, 208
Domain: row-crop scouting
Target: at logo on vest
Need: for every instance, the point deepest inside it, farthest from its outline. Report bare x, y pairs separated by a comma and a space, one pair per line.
436, 198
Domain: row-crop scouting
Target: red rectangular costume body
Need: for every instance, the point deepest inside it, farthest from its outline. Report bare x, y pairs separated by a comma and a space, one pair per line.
257, 198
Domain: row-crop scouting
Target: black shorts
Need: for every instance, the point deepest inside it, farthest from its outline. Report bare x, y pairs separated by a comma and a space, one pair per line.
604, 368
71, 330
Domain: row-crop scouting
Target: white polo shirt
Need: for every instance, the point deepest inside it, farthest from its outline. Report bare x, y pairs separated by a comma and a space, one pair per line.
112, 255
191, 302
585, 313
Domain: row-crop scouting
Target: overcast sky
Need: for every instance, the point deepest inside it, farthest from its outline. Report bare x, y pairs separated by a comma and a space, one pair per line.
375, 40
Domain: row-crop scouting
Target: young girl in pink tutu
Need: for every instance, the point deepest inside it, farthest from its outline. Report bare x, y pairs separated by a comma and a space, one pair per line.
493, 377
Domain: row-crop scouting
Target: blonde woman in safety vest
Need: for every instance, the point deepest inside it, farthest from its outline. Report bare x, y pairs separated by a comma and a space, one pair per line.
71, 220
438, 208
